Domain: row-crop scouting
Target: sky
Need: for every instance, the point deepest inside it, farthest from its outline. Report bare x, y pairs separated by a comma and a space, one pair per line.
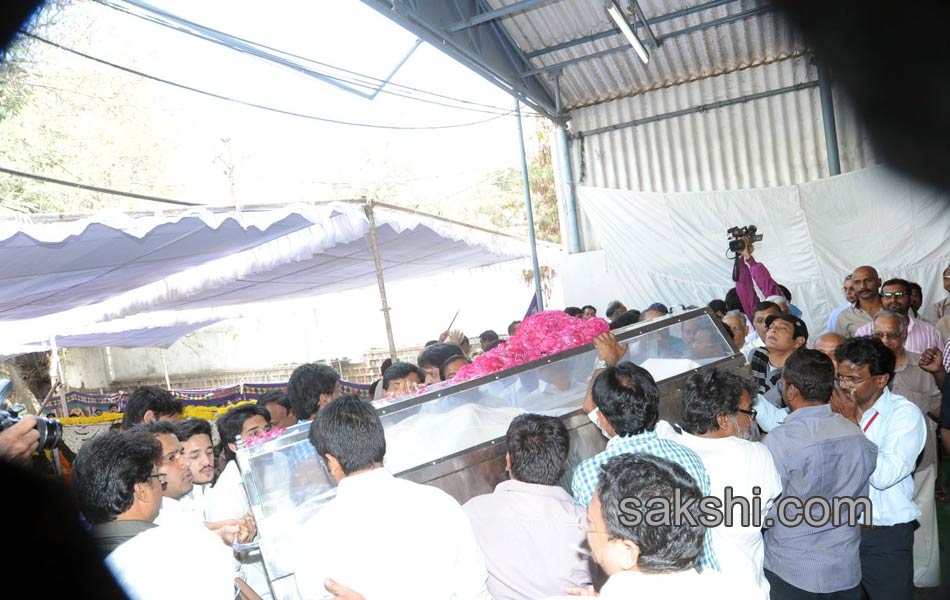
280, 158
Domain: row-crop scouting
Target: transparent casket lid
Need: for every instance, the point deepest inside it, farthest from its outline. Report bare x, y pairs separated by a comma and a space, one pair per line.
286, 481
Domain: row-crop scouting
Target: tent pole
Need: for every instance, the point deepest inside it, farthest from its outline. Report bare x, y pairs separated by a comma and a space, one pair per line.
368, 207
527, 200
573, 233
168, 383
57, 368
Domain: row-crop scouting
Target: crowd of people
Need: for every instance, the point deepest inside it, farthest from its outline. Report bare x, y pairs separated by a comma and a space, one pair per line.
740, 497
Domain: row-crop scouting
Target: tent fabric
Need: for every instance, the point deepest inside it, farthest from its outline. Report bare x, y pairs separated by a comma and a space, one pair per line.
332, 252
671, 247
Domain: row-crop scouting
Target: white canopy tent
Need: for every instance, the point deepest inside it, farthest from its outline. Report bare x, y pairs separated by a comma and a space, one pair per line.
115, 281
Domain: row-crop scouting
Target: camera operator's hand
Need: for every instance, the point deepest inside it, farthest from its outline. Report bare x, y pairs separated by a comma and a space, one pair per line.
747, 248
20, 441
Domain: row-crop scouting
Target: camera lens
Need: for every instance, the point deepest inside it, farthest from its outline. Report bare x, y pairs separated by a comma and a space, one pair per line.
51, 433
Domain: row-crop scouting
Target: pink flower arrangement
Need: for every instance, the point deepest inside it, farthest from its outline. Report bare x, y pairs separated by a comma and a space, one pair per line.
539, 335
264, 437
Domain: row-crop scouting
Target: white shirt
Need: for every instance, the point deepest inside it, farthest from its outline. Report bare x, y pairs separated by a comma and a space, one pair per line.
197, 500
173, 512
628, 585
898, 429
768, 416
529, 535
227, 499
390, 539
741, 465
185, 562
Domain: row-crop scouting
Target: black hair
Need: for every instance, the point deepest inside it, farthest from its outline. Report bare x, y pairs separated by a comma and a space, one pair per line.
486, 337
149, 398
158, 428
307, 383
785, 292
765, 305
388, 362
538, 447
672, 546
812, 373
448, 361
493, 345
431, 343
612, 308
628, 398
897, 281
712, 393
276, 396
188, 428
230, 424
373, 386
915, 286
574, 311
435, 355
718, 306
106, 470
513, 327
586, 306
628, 318
868, 351
401, 370
349, 430
732, 300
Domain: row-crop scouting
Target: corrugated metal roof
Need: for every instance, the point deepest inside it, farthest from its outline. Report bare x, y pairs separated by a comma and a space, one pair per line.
757, 36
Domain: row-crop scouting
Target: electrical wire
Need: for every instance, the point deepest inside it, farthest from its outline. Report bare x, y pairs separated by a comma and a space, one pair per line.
93, 188
228, 41
263, 106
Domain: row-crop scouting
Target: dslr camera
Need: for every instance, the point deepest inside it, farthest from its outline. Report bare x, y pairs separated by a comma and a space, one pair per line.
51, 432
736, 243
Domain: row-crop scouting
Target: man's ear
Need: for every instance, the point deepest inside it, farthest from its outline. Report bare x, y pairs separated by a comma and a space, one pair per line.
140, 490
149, 417
629, 554
508, 462
233, 447
724, 423
334, 467
799, 342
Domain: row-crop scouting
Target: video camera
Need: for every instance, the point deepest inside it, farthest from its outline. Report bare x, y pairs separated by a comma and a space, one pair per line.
51, 432
736, 243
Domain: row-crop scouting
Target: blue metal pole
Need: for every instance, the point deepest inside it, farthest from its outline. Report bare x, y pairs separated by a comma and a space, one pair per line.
527, 199
828, 118
573, 233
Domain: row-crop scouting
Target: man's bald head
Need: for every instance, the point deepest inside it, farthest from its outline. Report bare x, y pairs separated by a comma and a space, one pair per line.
827, 343
866, 282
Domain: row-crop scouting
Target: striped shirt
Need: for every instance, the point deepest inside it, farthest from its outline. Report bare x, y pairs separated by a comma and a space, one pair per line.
921, 335
587, 473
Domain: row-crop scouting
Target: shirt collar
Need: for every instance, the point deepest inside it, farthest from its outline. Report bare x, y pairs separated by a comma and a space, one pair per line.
357, 484
534, 489
882, 405
631, 439
808, 411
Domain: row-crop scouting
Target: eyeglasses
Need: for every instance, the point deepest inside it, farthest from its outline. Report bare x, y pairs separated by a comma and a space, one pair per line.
582, 525
888, 334
162, 479
893, 294
751, 412
850, 381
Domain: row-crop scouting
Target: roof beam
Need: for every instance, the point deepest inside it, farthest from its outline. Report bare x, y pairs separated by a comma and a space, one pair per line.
493, 14
686, 30
613, 30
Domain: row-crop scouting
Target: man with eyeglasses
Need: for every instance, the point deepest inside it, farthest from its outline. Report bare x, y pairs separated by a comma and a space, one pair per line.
897, 427
819, 454
940, 308
920, 335
850, 296
918, 386
866, 286
717, 424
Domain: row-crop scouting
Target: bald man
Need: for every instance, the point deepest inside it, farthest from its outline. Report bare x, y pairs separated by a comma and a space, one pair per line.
867, 286
827, 343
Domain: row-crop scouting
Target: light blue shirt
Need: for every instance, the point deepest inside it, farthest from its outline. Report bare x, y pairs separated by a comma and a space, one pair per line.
767, 415
898, 429
833, 319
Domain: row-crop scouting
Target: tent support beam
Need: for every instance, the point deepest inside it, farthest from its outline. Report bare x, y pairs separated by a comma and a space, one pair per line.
828, 119
374, 244
573, 233
527, 199
168, 383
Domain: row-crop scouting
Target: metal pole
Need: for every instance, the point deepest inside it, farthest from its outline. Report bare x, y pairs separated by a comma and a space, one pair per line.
57, 368
530, 213
168, 383
368, 207
828, 118
573, 233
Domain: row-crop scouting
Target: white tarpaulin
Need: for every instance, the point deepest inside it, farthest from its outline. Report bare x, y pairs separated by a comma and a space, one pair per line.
671, 247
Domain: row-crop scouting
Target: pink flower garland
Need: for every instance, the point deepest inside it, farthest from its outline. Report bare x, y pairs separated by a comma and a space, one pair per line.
539, 335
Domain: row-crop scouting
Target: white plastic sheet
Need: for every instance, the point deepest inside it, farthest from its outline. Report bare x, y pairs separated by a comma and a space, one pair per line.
671, 247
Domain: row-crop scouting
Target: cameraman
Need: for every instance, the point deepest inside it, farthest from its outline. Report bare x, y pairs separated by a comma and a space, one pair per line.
753, 275
19, 441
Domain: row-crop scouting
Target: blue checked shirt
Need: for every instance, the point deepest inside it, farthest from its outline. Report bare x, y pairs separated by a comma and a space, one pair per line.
587, 473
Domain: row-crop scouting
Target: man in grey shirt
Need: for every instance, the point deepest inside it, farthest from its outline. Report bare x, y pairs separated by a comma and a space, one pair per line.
818, 453
528, 528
